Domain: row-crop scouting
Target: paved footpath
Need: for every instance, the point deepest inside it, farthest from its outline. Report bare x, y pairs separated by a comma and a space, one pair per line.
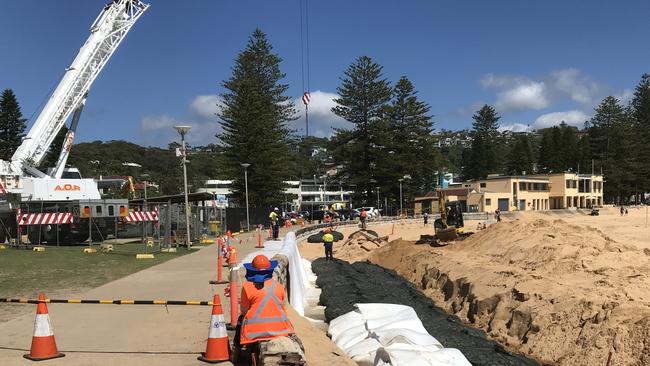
142, 334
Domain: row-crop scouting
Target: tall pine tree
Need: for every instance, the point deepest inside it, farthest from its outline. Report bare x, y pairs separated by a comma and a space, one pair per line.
254, 120
483, 158
12, 124
610, 137
411, 149
520, 158
640, 111
364, 94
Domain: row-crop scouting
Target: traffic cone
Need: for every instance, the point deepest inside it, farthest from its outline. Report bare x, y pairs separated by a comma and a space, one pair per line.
217, 349
259, 237
43, 343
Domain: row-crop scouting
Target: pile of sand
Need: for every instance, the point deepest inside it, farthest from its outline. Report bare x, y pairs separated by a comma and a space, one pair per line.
563, 294
358, 245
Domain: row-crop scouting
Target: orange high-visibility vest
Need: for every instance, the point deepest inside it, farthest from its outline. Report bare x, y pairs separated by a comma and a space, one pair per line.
265, 317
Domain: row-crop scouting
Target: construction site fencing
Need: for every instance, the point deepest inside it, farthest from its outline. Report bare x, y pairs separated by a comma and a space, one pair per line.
204, 222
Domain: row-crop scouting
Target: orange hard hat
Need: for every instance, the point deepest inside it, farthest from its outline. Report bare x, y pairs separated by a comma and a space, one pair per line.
261, 262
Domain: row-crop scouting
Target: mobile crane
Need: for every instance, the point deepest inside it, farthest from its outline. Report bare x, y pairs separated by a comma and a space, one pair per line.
64, 202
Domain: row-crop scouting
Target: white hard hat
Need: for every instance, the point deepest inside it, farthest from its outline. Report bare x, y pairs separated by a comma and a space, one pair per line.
276, 209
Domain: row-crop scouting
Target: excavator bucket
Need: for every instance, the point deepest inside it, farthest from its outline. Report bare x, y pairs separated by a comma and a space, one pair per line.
447, 234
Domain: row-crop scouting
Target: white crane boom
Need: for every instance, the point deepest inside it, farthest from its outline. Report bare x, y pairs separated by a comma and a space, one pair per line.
107, 32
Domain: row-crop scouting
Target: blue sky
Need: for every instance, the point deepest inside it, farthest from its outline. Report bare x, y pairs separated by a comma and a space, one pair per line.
537, 62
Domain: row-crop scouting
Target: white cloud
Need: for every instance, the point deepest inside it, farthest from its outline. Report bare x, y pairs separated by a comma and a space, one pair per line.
625, 96
573, 118
321, 119
205, 107
516, 93
571, 83
530, 95
515, 127
158, 130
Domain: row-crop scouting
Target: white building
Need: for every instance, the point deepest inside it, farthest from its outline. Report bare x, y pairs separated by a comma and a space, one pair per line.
306, 194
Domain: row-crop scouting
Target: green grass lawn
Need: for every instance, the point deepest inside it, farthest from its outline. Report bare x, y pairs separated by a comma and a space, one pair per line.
68, 269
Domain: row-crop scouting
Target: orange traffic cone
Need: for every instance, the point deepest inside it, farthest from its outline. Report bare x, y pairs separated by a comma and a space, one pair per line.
232, 260
43, 343
218, 349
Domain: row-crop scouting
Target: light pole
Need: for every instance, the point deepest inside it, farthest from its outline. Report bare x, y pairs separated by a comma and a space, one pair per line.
377, 198
248, 221
183, 130
400, 196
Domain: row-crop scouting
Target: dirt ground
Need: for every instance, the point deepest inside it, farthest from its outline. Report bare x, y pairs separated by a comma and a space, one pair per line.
559, 286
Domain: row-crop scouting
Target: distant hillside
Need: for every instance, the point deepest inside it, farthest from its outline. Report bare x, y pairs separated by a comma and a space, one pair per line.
158, 165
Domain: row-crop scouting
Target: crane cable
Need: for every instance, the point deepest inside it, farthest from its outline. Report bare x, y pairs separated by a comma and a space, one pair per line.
304, 59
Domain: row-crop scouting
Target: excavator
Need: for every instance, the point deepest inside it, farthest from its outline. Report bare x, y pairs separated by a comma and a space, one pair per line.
450, 224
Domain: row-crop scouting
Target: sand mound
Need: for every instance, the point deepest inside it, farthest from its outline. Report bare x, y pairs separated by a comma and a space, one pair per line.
564, 294
359, 245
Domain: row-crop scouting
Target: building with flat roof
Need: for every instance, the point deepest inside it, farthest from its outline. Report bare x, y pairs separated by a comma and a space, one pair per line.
521, 193
301, 195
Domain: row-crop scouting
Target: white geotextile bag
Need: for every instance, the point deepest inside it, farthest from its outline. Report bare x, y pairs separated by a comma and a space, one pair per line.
390, 316
409, 355
298, 280
364, 351
405, 336
390, 334
345, 322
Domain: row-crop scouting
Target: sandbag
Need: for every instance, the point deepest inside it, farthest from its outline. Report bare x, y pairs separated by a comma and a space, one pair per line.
398, 355
390, 334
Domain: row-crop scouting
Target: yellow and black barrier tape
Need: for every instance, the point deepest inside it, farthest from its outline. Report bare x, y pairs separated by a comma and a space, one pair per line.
109, 302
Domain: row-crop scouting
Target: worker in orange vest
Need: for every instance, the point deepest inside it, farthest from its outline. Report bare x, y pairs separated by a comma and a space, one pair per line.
262, 304
362, 216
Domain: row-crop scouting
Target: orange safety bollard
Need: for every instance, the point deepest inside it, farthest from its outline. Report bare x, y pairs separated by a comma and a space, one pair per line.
217, 349
219, 280
233, 291
271, 232
232, 260
43, 343
259, 237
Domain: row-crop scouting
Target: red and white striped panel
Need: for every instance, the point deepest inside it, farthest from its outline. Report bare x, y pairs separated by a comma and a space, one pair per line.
2, 189
46, 218
139, 216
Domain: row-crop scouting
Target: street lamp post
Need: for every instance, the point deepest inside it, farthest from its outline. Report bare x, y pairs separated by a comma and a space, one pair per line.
183, 130
401, 212
377, 198
248, 221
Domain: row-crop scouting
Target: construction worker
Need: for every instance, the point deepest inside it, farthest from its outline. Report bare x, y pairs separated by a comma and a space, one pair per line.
274, 217
262, 304
328, 243
362, 217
